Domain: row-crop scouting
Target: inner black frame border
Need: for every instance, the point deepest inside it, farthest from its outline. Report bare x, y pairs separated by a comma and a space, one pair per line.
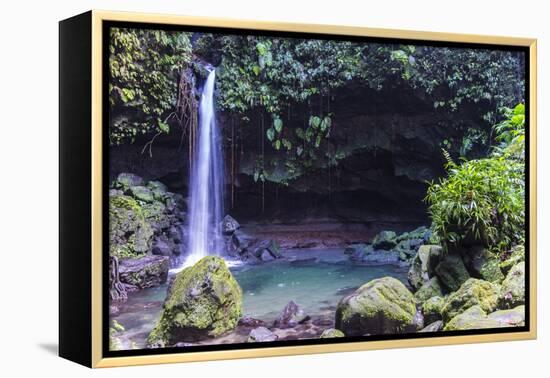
107, 25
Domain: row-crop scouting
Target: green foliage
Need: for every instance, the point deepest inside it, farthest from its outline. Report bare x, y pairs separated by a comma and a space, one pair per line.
144, 68
272, 75
511, 133
482, 200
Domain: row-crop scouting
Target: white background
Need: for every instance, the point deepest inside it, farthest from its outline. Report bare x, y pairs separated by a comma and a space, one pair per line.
29, 186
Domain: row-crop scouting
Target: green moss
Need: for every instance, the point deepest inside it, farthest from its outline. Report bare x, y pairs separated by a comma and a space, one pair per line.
517, 255
490, 271
430, 289
331, 332
383, 305
471, 318
203, 301
142, 193
512, 293
473, 292
130, 234
114, 332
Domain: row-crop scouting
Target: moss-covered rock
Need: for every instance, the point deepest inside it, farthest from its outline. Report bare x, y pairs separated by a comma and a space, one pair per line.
432, 288
381, 306
485, 265
130, 235
144, 272
142, 193
472, 318
451, 272
423, 265
476, 318
331, 332
512, 292
432, 309
126, 180
514, 317
473, 292
517, 255
158, 189
384, 240
203, 301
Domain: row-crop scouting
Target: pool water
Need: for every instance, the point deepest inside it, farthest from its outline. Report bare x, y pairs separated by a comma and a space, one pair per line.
314, 279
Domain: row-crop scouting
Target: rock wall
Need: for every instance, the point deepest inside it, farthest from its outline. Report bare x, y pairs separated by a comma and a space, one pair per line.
388, 145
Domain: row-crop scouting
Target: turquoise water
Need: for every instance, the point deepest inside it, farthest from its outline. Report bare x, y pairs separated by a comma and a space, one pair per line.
314, 279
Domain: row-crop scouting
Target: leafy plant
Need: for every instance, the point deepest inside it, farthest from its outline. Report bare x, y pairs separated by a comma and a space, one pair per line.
511, 133
144, 66
483, 201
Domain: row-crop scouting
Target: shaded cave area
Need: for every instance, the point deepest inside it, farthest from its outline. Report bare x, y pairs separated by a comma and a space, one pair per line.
388, 145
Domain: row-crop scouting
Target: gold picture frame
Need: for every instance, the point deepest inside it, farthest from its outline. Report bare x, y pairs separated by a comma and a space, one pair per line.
97, 18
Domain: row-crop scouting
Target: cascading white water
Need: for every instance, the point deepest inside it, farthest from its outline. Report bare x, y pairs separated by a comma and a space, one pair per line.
206, 182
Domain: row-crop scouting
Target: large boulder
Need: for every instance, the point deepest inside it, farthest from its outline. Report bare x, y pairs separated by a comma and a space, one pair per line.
432, 288
472, 318
381, 306
451, 272
384, 240
144, 272
473, 292
203, 301
291, 316
423, 265
130, 234
512, 292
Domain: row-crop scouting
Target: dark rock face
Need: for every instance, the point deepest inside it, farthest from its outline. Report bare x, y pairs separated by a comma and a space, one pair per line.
384, 158
451, 272
144, 272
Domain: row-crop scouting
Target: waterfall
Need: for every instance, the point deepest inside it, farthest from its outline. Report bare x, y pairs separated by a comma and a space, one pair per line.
206, 182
